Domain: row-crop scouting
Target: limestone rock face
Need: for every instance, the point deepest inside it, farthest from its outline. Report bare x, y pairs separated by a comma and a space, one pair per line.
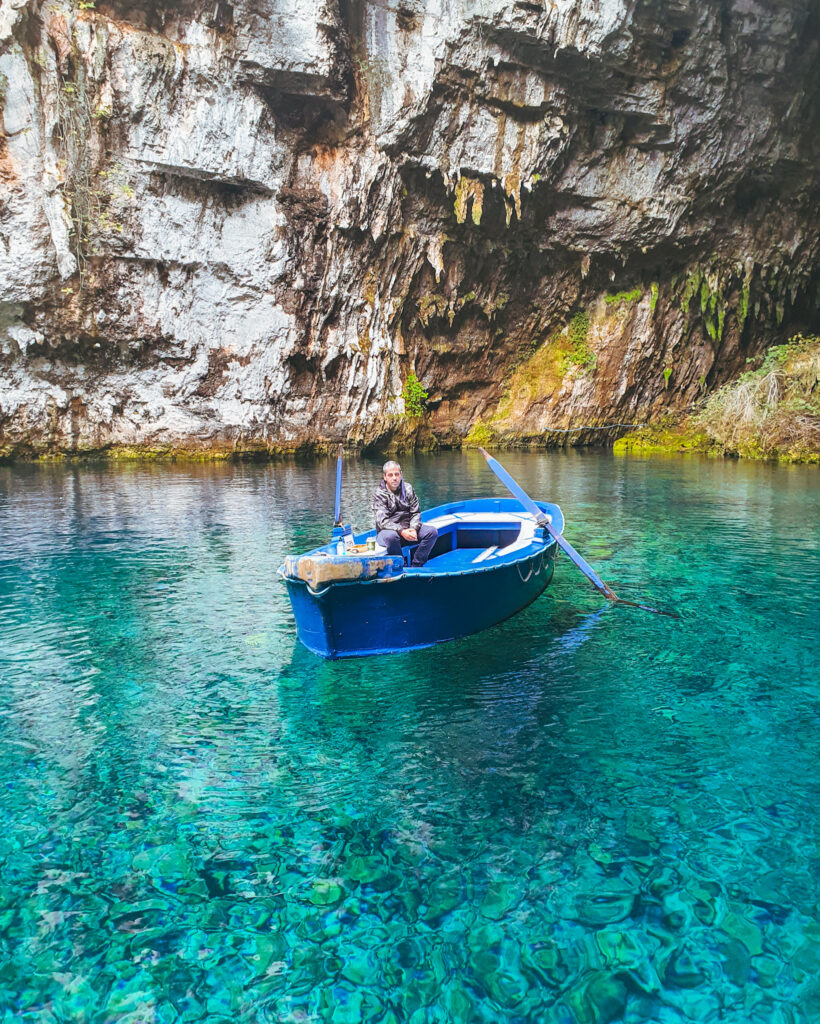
242, 226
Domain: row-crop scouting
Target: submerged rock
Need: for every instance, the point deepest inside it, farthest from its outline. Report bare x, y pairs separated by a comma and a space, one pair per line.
241, 227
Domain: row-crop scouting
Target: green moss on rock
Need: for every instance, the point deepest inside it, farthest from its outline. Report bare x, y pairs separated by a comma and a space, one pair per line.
481, 434
579, 353
624, 297
667, 439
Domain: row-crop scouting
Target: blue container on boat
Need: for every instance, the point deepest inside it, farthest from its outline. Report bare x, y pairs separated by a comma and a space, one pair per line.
491, 560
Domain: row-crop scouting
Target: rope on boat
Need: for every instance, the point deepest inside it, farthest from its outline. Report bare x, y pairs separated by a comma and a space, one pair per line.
575, 430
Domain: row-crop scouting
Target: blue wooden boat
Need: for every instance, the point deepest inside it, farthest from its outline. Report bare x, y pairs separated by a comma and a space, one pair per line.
492, 558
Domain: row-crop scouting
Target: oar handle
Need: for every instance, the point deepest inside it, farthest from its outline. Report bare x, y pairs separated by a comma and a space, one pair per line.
543, 520
337, 511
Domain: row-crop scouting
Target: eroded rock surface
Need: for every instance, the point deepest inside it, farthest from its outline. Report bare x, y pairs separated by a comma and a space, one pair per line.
243, 226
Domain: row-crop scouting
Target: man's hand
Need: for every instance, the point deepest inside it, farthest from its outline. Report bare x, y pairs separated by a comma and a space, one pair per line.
409, 535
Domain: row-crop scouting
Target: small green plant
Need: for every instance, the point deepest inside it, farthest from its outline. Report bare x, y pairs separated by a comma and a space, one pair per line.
667, 373
653, 297
778, 355
579, 354
414, 395
579, 329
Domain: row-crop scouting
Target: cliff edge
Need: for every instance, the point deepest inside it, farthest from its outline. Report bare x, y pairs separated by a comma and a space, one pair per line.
239, 227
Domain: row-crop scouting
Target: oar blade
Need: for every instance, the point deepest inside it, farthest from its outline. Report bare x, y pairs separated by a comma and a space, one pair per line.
583, 565
649, 608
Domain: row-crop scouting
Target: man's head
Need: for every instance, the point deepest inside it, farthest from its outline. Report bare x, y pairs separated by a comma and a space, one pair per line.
391, 471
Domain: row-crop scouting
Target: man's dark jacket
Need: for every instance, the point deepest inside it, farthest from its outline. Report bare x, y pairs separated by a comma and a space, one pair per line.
396, 511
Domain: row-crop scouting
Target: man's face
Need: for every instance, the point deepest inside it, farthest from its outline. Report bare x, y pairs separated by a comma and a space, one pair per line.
393, 478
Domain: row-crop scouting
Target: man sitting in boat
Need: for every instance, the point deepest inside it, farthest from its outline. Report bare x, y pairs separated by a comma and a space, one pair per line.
398, 516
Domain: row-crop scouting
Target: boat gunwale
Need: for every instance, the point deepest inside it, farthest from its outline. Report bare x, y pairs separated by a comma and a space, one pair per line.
532, 550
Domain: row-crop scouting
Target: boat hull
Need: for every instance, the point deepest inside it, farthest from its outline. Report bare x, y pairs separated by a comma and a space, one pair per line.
382, 616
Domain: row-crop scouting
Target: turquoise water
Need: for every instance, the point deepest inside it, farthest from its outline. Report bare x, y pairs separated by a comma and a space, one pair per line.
586, 814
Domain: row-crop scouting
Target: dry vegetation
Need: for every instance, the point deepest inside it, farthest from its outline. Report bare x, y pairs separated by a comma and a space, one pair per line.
772, 412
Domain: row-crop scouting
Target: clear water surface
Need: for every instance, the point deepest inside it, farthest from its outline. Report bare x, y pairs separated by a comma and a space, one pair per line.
585, 814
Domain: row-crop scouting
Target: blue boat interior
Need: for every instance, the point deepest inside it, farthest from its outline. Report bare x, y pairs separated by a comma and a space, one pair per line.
479, 533
458, 544
474, 535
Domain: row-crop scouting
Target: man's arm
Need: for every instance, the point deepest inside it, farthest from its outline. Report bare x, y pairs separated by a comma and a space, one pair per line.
381, 511
414, 508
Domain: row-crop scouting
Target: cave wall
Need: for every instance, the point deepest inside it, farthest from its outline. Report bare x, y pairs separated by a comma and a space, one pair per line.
241, 227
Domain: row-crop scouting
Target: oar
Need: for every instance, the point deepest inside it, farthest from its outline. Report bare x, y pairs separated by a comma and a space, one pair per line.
337, 512
543, 520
